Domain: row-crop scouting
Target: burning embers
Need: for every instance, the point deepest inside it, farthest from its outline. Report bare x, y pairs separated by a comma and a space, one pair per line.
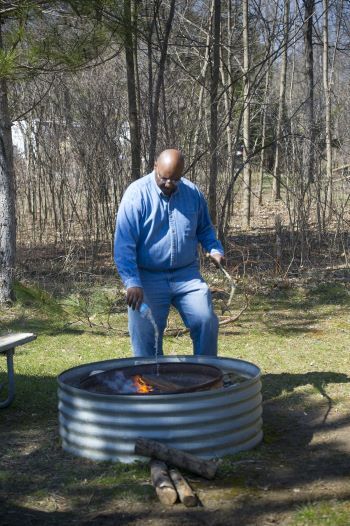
118, 383
150, 379
142, 387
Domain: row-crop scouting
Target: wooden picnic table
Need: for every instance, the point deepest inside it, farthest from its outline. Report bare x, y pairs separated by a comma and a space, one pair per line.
8, 343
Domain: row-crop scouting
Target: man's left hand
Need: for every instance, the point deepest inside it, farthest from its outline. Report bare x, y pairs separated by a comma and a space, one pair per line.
217, 259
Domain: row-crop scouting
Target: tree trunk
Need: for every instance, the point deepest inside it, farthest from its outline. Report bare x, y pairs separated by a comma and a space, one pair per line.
201, 80
213, 174
309, 146
276, 185
7, 199
263, 135
247, 174
157, 91
327, 96
132, 96
270, 43
231, 138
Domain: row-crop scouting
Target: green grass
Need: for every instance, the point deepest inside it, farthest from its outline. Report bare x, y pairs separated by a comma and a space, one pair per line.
298, 336
289, 334
333, 513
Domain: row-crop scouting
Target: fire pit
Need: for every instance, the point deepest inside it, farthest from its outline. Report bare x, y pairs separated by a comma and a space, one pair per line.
207, 406
152, 379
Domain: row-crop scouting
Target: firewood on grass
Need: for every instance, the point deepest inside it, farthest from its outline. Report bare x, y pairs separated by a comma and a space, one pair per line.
161, 481
176, 457
184, 490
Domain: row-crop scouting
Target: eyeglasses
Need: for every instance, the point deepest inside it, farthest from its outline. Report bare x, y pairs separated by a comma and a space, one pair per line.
165, 180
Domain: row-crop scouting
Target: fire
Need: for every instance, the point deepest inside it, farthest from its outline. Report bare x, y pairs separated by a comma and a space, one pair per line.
141, 386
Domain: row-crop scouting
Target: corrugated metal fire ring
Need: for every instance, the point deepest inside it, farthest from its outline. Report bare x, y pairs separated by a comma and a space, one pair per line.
210, 423
189, 377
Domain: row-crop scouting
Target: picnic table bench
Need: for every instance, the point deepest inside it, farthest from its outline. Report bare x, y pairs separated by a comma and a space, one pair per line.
8, 343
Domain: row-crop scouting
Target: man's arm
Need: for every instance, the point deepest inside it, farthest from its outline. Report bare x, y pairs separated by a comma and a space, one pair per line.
206, 233
125, 245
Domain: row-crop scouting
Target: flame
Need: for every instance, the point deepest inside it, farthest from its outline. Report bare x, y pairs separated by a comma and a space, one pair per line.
141, 386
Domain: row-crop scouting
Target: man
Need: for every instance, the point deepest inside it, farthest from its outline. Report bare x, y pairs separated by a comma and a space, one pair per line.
161, 219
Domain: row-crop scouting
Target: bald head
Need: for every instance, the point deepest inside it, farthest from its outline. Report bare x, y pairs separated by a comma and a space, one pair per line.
168, 168
171, 160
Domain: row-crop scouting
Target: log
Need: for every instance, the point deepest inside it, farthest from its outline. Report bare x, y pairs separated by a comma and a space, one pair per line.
176, 457
161, 481
184, 490
163, 385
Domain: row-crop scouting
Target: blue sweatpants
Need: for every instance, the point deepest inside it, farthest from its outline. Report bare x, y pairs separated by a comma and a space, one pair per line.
187, 291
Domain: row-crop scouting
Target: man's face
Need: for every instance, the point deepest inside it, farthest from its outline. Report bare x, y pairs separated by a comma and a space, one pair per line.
166, 178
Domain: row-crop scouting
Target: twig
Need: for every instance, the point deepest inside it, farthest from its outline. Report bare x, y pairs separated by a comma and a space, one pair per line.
226, 321
231, 319
230, 279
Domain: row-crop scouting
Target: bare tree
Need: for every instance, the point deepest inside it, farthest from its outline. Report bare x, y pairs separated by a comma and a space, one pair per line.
327, 98
247, 174
276, 186
309, 126
129, 36
214, 140
155, 92
7, 196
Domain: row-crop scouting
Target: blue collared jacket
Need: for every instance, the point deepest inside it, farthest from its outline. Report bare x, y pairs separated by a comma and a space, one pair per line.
157, 232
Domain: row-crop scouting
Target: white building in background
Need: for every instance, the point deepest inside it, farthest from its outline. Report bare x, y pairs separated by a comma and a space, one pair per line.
24, 134
19, 132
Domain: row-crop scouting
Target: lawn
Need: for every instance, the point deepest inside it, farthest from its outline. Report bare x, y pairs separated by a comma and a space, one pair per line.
297, 331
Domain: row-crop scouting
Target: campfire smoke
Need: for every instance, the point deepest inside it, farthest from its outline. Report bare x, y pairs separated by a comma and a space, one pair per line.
121, 384
149, 379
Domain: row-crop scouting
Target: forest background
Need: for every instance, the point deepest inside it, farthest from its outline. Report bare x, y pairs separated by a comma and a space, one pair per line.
254, 93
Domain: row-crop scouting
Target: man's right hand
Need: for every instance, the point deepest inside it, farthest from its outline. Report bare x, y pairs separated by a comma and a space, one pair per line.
134, 297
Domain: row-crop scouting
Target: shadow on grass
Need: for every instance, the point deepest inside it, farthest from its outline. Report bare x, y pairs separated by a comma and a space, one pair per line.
49, 327
291, 311
313, 297
276, 384
182, 517
13, 515
36, 399
294, 311
40, 484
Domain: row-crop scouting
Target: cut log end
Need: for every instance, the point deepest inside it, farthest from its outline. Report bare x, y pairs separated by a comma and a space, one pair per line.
167, 496
162, 483
184, 490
